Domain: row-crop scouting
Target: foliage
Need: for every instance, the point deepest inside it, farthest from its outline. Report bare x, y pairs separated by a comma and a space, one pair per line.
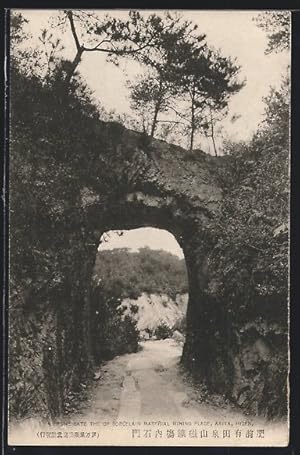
156, 89
53, 175
249, 263
49, 258
115, 37
25, 364
180, 65
277, 25
50, 261
129, 274
17, 33
112, 332
208, 80
183, 69
163, 331
257, 195
151, 96
26, 60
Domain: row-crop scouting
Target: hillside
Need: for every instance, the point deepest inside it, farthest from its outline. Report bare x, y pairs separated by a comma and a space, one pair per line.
150, 284
130, 274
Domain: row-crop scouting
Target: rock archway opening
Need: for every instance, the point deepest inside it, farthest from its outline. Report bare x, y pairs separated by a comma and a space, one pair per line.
139, 292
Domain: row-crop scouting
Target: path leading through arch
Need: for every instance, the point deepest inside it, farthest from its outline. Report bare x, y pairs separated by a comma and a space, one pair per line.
148, 391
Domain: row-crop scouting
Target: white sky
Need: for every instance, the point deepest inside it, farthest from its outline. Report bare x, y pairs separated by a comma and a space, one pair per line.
233, 32
236, 35
137, 238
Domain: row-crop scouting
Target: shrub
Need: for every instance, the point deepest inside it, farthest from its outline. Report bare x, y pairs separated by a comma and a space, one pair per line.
112, 332
163, 331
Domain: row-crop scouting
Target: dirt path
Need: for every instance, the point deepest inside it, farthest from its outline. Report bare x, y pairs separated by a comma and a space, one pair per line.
147, 391
145, 385
149, 385
141, 397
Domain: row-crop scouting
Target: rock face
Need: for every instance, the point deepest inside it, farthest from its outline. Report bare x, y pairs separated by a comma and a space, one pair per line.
152, 310
167, 187
155, 184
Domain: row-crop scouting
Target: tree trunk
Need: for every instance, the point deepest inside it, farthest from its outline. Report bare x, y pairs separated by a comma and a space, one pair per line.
212, 134
214, 144
192, 138
73, 66
157, 108
192, 121
154, 123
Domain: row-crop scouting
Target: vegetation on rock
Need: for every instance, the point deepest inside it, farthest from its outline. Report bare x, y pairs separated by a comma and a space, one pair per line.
68, 170
248, 266
112, 332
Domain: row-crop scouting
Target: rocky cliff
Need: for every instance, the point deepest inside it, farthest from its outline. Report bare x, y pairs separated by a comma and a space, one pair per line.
152, 310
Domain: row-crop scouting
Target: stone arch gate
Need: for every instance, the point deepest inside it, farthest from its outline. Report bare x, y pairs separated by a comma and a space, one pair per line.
164, 186
154, 184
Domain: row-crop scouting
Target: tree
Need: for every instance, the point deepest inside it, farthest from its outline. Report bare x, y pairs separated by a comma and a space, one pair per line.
17, 33
277, 108
209, 126
209, 129
112, 36
48, 164
249, 263
207, 81
181, 67
152, 94
129, 274
26, 59
277, 25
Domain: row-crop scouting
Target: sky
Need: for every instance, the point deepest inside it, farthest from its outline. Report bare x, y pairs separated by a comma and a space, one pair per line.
235, 34
134, 239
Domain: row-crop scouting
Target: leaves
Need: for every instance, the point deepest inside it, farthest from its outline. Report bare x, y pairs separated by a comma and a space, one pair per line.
277, 24
50, 169
249, 261
183, 71
129, 274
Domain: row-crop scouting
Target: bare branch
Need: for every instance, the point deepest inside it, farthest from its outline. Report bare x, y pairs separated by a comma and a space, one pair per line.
176, 122
97, 47
178, 113
73, 29
89, 15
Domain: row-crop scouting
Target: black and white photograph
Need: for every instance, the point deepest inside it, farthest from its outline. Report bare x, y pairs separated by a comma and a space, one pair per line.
149, 194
